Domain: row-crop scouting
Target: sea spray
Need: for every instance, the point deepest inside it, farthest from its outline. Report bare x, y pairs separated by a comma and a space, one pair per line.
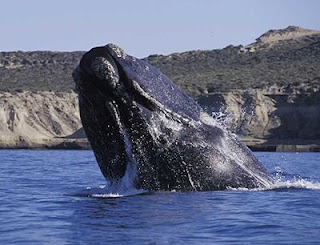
125, 185
279, 185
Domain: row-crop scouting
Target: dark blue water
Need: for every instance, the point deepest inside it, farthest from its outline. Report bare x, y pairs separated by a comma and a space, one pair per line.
57, 197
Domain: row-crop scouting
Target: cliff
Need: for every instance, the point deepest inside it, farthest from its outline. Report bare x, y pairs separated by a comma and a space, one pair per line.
38, 119
266, 120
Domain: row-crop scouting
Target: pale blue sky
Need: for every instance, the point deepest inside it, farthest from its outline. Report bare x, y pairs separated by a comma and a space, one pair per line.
147, 27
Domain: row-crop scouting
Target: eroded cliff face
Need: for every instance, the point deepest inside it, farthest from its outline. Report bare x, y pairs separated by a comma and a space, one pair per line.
51, 119
245, 113
268, 115
37, 118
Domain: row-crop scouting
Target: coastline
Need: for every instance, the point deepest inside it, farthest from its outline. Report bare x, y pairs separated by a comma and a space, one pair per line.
292, 145
61, 143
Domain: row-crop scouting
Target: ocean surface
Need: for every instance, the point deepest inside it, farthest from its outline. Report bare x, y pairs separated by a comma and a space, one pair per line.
59, 197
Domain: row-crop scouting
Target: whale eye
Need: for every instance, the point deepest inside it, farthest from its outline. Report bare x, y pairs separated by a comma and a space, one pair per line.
104, 70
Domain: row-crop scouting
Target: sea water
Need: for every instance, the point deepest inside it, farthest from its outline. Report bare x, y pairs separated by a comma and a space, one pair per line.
60, 197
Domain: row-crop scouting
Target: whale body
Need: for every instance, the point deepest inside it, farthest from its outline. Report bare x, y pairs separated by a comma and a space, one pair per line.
141, 126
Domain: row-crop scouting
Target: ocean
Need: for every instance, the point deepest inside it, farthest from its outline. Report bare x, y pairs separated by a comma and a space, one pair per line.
59, 197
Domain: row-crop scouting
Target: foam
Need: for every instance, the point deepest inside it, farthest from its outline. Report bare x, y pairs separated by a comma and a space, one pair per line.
285, 185
129, 192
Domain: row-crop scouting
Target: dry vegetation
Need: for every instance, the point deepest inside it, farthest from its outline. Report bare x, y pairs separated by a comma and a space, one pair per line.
284, 58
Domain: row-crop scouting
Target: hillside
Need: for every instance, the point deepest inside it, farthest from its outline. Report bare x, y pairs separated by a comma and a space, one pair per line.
38, 71
280, 58
283, 58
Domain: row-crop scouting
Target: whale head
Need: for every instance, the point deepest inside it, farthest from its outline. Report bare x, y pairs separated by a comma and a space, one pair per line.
119, 96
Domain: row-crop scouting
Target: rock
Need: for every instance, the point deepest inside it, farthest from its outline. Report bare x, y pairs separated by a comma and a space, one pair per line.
30, 119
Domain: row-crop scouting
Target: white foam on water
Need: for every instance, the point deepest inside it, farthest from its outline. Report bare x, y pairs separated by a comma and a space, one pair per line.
114, 190
131, 192
119, 188
110, 195
297, 184
283, 185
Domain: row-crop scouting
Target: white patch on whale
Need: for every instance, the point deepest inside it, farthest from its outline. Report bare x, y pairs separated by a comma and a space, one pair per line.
104, 70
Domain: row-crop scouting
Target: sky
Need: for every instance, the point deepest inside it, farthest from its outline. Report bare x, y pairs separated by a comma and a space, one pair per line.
145, 27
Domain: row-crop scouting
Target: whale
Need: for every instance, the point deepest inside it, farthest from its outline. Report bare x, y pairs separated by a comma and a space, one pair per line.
145, 131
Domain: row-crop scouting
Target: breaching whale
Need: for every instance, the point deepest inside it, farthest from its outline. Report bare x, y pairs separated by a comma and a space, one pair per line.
142, 127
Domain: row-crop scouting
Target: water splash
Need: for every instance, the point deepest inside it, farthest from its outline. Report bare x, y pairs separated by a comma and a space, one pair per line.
284, 180
112, 191
280, 185
125, 185
297, 184
224, 118
131, 192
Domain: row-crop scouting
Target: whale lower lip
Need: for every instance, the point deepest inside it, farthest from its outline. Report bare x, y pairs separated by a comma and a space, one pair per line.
136, 118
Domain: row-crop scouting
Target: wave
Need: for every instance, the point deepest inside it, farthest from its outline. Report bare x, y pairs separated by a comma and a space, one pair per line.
281, 185
296, 184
